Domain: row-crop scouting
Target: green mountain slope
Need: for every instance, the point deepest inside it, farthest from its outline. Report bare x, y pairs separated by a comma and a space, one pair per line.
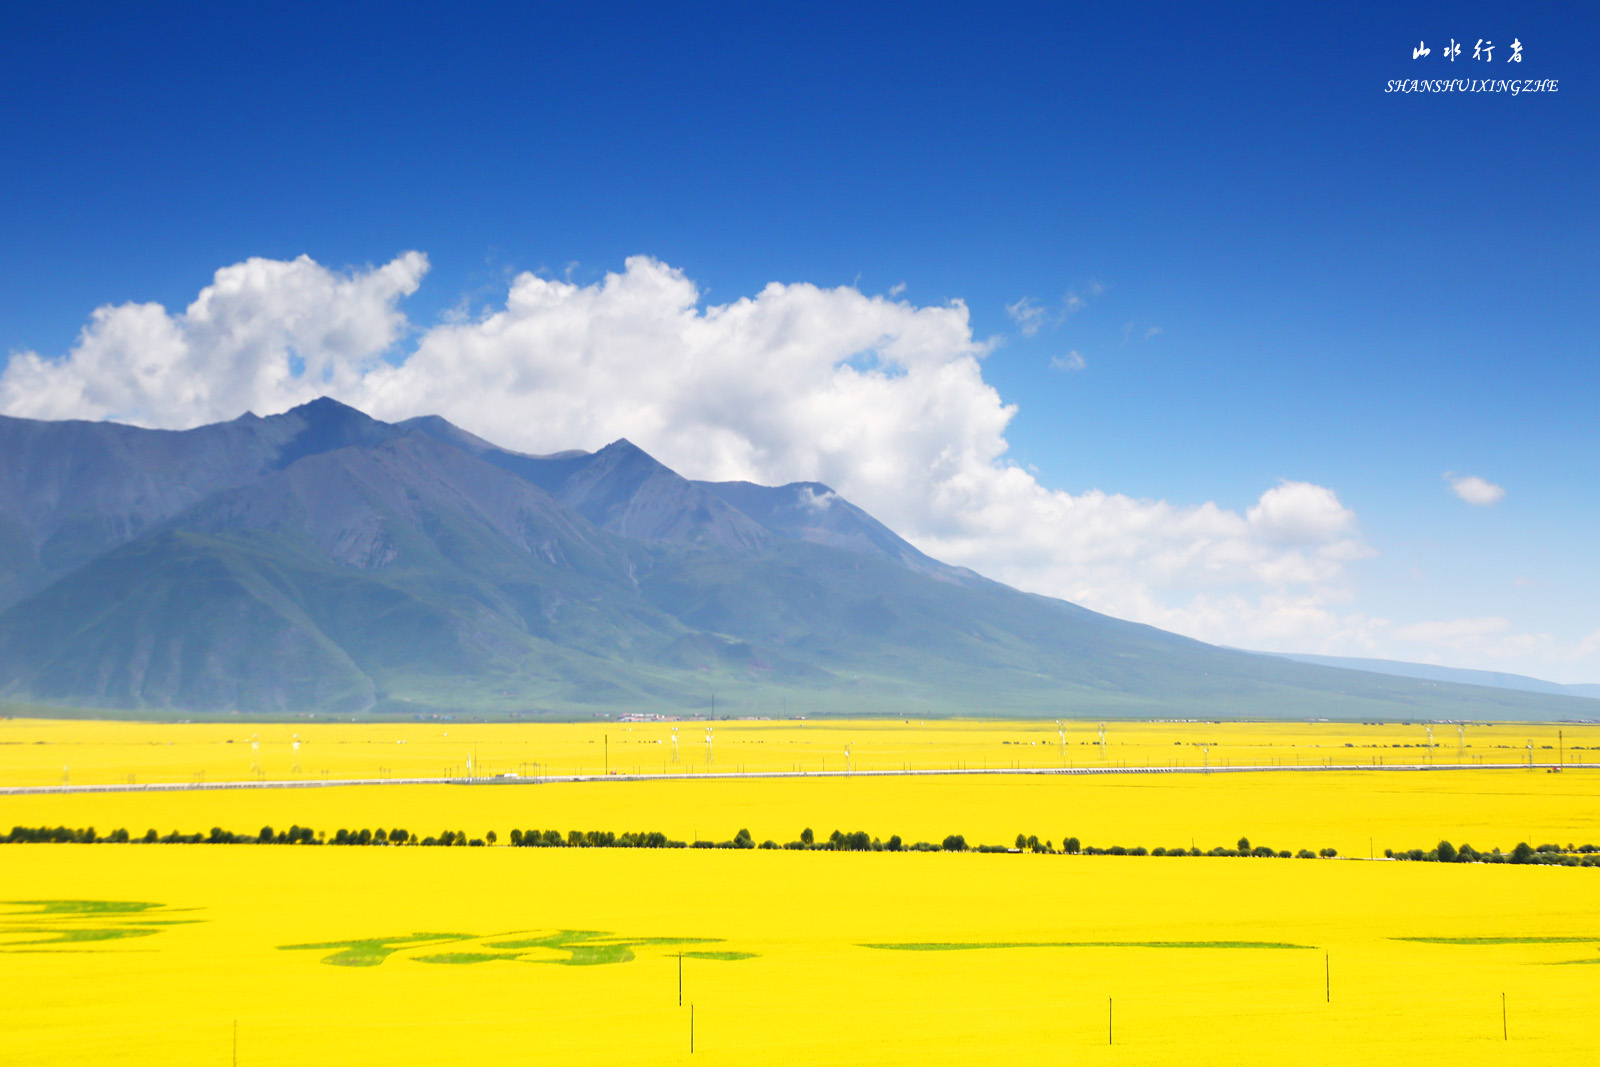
323, 562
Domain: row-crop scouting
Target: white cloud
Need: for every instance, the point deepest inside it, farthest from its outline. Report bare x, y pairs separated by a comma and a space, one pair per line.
897, 288
1030, 316
812, 500
883, 400
1070, 362
1074, 302
1027, 314
1475, 490
265, 334
1454, 632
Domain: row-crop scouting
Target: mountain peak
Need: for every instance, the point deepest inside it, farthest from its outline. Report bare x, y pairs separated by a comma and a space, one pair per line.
326, 407
324, 424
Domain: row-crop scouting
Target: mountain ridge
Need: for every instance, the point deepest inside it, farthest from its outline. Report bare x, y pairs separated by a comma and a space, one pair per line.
323, 562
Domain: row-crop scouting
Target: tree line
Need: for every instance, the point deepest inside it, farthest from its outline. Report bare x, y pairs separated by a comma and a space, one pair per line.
838, 841
1444, 852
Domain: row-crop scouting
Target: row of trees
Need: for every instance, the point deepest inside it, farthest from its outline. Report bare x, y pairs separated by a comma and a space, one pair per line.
1445, 852
838, 841
593, 839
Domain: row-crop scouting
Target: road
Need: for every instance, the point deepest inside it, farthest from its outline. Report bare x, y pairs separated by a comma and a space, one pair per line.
331, 783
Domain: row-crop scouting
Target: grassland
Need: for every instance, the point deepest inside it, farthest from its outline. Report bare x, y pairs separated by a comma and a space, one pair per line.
149, 954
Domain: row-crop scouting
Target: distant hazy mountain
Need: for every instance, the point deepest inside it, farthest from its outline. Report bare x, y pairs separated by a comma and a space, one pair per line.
324, 562
1495, 679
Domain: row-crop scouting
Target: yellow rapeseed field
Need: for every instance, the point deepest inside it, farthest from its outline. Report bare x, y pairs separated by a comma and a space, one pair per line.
49, 752
152, 954
162, 953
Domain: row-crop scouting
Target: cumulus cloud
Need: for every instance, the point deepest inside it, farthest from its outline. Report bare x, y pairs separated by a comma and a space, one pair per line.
265, 334
1475, 490
879, 398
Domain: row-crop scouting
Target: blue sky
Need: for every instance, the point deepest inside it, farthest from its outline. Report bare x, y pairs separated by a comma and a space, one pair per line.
1270, 270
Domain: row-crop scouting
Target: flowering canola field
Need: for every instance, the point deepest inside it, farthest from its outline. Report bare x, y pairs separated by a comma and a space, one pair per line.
53, 752
153, 954
289, 954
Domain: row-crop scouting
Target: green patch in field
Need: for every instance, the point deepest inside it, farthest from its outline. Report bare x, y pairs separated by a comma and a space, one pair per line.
370, 952
66, 937
86, 907
573, 948
730, 956
65, 924
963, 946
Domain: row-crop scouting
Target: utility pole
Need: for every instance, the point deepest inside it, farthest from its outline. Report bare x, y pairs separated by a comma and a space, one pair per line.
1327, 979
607, 738
1108, 1021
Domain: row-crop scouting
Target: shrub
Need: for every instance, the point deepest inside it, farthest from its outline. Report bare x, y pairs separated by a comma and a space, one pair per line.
1071, 846
1330, 853
1305, 854
955, 843
1446, 852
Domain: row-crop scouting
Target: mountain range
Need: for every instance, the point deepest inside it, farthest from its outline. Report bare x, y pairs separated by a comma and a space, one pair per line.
324, 562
